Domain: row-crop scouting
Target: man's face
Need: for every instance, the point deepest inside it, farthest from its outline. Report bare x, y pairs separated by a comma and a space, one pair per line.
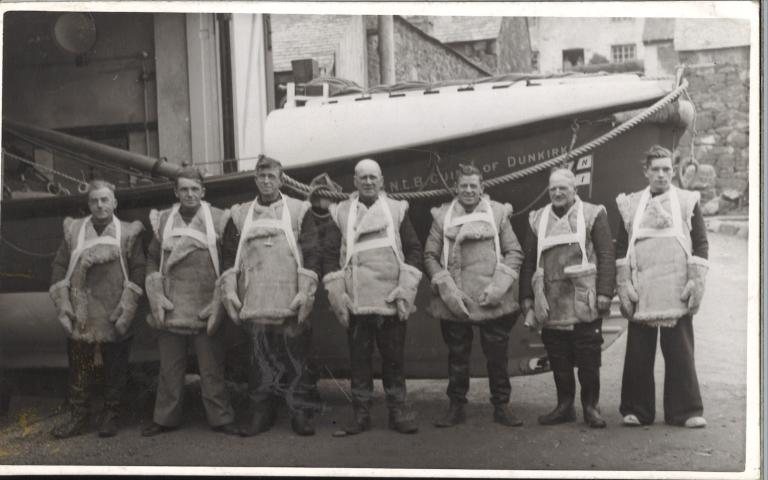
562, 192
268, 181
659, 174
368, 181
189, 192
470, 190
102, 203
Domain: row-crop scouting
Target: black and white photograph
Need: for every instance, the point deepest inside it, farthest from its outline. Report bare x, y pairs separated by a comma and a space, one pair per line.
507, 239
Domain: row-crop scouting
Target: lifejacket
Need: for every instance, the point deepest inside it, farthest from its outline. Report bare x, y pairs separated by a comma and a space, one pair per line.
268, 258
97, 274
566, 263
371, 251
658, 251
471, 253
189, 262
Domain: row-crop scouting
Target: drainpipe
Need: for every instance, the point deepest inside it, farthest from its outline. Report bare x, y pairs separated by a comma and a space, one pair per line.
386, 30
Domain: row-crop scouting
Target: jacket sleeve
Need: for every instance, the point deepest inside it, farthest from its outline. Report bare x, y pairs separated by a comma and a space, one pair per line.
137, 263
311, 250
622, 241
60, 263
153, 256
699, 242
511, 251
412, 250
606, 258
331, 248
529, 264
229, 242
433, 250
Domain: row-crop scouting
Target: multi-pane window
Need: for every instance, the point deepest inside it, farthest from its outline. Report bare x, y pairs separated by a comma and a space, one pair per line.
622, 53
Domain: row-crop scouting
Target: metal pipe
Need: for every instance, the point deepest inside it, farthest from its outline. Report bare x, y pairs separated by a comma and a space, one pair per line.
95, 150
386, 30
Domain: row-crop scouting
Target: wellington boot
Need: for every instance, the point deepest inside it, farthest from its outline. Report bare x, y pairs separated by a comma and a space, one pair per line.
301, 424
361, 422
402, 421
590, 395
73, 426
502, 415
565, 383
454, 416
264, 416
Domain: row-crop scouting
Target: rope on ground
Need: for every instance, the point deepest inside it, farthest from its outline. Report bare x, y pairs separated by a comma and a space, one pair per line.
509, 177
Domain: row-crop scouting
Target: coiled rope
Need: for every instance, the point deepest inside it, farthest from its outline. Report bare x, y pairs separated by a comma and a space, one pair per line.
512, 176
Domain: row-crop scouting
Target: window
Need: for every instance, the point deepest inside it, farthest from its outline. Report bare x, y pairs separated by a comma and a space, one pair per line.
573, 58
622, 53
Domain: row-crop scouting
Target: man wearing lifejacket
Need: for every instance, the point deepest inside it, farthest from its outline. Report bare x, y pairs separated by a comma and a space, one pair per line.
95, 287
376, 272
473, 258
662, 252
566, 286
270, 260
182, 270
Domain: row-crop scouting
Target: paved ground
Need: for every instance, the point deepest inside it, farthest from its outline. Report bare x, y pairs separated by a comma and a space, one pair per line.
479, 444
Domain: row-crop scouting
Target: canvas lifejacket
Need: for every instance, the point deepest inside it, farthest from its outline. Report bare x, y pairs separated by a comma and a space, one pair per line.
658, 251
567, 257
371, 251
97, 273
471, 252
268, 258
189, 262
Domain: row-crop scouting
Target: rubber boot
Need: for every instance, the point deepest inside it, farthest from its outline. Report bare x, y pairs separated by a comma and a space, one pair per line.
75, 424
565, 383
402, 421
361, 421
108, 427
264, 416
590, 395
301, 423
503, 416
454, 416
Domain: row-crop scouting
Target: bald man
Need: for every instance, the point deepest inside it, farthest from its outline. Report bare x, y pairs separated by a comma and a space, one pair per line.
566, 285
375, 265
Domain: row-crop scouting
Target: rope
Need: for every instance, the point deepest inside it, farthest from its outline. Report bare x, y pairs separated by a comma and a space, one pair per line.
39, 165
501, 180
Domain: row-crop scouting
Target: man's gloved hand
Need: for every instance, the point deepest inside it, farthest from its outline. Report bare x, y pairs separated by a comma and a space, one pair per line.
126, 309
624, 288
305, 297
212, 314
229, 298
694, 287
158, 302
340, 302
450, 294
503, 278
59, 293
540, 303
405, 292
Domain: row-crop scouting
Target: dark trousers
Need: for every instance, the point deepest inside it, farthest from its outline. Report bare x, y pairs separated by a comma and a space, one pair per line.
82, 371
388, 333
682, 399
580, 347
173, 367
494, 339
279, 367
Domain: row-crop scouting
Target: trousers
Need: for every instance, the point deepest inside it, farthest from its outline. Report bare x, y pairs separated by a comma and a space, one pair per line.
682, 398
580, 347
494, 340
388, 334
82, 372
173, 367
279, 367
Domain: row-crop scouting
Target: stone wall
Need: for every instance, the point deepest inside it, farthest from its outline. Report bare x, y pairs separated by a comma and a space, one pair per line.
419, 57
514, 46
720, 91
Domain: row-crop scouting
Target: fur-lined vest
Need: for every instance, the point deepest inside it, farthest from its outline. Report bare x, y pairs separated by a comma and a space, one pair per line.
98, 276
658, 251
560, 248
371, 251
269, 258
472, 258
187, 265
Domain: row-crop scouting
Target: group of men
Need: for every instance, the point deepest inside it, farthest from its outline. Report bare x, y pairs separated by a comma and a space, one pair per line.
259, 264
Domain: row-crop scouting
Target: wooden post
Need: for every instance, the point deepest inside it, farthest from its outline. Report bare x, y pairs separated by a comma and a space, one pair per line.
386, 30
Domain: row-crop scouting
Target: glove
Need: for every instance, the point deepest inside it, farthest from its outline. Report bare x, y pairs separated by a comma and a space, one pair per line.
229, 298
212, 313
503, 278
405, 292
126, 308
305, 298
540, 304
626, 291
59, 293
158, 302
693, 291
452, 297
337, 296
